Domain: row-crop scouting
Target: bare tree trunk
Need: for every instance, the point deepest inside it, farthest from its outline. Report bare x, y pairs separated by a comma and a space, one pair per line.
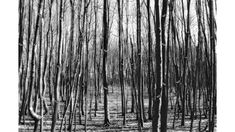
138, 31
164, 105
105, 45
86, 4
24, 77
156, 102
187, 36
120, 43
58, 74
41, 68
95, 83
213, 67
31, 64
30, 79
149, 62
127, 34
133, 86
21, 30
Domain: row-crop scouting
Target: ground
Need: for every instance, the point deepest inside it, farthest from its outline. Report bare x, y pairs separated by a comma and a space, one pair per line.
114, 102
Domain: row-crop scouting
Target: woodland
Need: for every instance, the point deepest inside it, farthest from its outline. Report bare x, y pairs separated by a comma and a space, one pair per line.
117, 65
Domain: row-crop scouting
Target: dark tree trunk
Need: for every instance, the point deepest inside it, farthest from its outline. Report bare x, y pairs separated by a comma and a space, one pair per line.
139, 77
21, 30
158, 70
95, 84
213, 67
149, 62
164, 99
24, 77
120, 43
105, 46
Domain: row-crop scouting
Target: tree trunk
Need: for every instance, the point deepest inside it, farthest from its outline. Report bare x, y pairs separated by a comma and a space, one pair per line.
95, 11
187, 36
138, 37
58, 74
120, 43
105, 46
149, 61
164, 105
156, 102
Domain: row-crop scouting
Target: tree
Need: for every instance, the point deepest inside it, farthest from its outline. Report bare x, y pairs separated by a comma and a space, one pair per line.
138, 42
120, 51
24, 74
58, 73
95, 63
105, 45
187, 36
164, 96
158, 69
213, 67
149, 61
21, 29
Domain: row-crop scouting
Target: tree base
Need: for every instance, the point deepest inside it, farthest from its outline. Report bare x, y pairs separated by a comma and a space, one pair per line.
107, 123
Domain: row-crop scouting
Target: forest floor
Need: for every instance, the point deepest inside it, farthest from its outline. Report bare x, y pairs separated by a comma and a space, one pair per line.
116, 119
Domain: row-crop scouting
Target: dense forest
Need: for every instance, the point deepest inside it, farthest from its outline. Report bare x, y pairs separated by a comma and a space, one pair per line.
117, 65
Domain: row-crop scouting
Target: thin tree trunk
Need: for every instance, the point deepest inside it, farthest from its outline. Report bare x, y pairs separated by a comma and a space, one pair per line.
164, 105
86, 64
105, 45
120, 43
41, 68
158, 70
187, 35
213, 68
58, 74
95, 84
29, 82
24, 78
21, 30
133, 85
138, 31
149, 62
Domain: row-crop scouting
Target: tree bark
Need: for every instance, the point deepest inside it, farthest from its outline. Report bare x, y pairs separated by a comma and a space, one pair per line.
58, 74
158, 71
187, 36
105, 46
138, 37
164, 98
120, 45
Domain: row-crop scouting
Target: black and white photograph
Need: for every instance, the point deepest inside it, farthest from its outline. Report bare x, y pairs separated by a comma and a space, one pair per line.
118, 66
